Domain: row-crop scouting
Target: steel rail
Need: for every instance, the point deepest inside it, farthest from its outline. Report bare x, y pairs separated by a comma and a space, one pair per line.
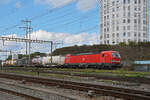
98, 89
143, 80
28, 97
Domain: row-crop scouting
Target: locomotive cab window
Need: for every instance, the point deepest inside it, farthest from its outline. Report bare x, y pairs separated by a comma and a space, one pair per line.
103, 55
116, 55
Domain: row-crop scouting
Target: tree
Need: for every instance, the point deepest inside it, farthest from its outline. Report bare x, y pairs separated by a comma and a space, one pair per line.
9, 57
122, 44
132, 43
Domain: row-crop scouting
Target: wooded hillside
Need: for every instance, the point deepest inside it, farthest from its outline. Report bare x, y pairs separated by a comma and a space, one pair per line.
132, 51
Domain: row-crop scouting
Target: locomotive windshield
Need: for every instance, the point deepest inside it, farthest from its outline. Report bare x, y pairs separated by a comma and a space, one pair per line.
116, 55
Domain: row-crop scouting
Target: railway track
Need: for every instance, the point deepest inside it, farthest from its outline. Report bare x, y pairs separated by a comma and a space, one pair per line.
115, 78
27, 97
97, 89
143, 80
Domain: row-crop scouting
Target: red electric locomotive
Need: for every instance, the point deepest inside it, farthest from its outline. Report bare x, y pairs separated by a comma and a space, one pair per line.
104, 60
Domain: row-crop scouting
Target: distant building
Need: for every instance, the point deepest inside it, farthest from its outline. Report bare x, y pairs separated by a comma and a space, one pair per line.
142, 65
124, 21
14, 56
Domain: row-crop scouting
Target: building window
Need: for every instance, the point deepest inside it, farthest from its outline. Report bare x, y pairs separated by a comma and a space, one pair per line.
124, 14
139, 21
104, 24
135, 27
128, 27
128, 20
128, 40
107, 16
107, 35
117, 28
124, 8
107, 41
124, 1
104, 35
107, 23
139, 40
113, 42
117, 1
128, 1
128, 7
113, 3
113, 10
144, 28
113, 16
139, 34
117, 40
113, 35
117, 8
128, 14
135, 8
124, 34
144, 22
101, 37
139, 1
124, 40
104, 17
117, 15
144, 34
104, 12
104, 5
108, 11
139, 15
124, 21
117, 22
124, 28
135, 1
128, 34
135, 34
135, 14
135, 21
104, 29
144, 1
107, 29
113, 28
139, 8
135, 40
117, 34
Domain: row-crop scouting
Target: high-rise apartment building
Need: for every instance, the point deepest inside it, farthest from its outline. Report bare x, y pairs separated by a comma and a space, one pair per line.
124, 21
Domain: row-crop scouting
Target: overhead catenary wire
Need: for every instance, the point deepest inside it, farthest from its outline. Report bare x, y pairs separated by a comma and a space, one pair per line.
23, 4
67, 21
68, 10
48, 12
40, 47
32, 18
64, 22
36, 17
13, 25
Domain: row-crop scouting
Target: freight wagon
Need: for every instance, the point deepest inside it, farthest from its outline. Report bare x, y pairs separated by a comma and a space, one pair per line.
101, 60
55, 61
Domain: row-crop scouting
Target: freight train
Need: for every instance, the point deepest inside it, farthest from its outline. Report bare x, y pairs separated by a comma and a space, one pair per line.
101, 60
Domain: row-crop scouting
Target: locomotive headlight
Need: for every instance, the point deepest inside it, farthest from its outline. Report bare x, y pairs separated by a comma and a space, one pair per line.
114, 61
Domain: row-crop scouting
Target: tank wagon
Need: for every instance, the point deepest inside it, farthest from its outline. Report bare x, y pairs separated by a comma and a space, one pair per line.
101, 60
